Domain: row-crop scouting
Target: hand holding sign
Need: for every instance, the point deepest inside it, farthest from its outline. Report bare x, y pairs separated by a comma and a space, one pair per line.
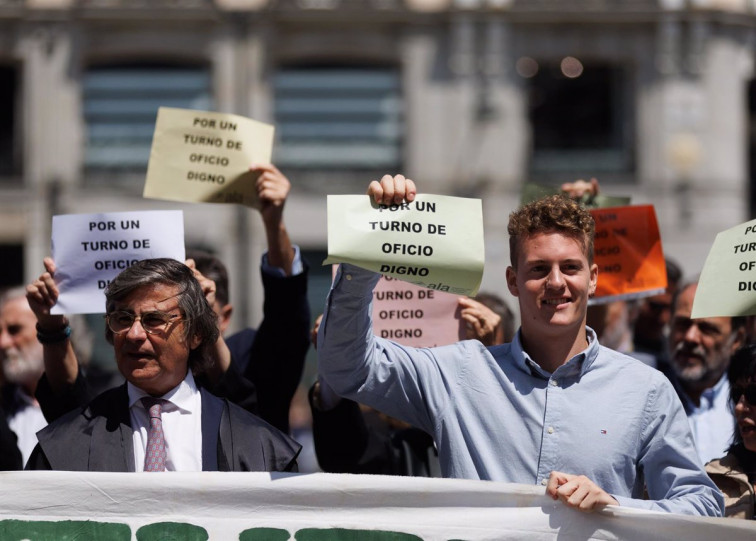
202, 156
432, 241
42, 294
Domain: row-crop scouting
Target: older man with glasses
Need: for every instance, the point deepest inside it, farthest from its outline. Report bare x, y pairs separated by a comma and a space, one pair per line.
162, 330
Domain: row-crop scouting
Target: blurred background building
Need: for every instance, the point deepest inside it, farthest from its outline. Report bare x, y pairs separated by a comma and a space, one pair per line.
656, 98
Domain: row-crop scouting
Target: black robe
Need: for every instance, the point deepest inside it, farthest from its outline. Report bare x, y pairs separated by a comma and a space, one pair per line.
99, 437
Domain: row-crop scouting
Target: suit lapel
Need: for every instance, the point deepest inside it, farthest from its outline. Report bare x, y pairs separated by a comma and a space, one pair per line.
112, 441
212, 411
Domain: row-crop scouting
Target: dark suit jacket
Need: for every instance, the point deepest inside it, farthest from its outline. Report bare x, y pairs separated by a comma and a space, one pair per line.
350, 441
99, 438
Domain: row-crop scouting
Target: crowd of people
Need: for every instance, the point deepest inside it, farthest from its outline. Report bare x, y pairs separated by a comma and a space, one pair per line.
631, 403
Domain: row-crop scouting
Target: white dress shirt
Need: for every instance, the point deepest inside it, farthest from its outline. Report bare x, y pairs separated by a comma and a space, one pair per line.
26, 421
182, 426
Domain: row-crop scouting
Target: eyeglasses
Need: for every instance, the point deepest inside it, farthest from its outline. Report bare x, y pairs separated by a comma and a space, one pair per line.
152, 322
749, 392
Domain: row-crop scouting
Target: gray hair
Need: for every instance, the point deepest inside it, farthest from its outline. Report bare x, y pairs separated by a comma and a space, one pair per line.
199, 318
82, 339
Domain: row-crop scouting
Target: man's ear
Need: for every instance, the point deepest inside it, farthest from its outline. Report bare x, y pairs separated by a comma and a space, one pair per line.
594, 279
194, 342
512, 281
225, 317
738, 339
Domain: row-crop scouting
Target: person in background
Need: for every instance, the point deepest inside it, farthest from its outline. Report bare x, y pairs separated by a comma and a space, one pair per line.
650, 322
699, 354
735, 473
22, 365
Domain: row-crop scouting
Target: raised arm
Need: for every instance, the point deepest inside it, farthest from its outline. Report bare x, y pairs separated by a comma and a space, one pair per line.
272, 189
62, 387
61, 364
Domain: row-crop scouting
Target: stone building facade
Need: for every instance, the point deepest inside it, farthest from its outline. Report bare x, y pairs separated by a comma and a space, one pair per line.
468, 97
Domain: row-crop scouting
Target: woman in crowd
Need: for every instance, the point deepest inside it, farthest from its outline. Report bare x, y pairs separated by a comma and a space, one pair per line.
735, 474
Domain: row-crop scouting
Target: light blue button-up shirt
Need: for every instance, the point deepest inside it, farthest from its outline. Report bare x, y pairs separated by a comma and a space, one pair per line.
711, 421
495, 414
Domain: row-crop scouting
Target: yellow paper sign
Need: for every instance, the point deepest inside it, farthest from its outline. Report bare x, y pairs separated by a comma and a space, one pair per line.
727, 286
201, 156
434, 242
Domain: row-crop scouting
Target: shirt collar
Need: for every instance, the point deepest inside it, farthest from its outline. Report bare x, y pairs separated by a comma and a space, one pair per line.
181, 396
712, 393
577, 365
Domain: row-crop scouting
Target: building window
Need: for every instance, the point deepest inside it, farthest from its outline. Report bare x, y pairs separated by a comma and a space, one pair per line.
581, 117
120, 109
10, 150
338, 118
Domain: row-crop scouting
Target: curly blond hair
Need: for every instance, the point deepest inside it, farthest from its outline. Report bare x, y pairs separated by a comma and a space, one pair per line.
552, 214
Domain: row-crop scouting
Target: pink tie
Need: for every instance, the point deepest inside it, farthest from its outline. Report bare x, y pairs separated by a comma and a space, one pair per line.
154, 458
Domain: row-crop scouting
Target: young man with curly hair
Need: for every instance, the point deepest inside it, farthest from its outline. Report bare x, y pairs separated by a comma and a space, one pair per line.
552, 408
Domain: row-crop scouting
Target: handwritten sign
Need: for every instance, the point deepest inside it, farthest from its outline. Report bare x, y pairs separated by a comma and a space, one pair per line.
91, 249
415, 316
628, 252
727, 286
434, 242
200, 156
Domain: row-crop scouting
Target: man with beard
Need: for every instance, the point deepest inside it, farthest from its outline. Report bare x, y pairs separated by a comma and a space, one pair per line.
700, 351
21, 358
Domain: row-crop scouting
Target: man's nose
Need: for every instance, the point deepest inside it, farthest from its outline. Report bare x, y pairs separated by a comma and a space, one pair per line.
693, 334
6, 340
555, 279
136, 331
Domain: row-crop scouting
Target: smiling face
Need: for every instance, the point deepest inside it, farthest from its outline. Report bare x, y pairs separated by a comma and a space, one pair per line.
158, 362
552, 281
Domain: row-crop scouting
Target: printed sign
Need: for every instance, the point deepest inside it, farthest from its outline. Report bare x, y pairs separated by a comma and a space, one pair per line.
628, 252
200, 156
91, 249
727, 286
415, 316
434, 242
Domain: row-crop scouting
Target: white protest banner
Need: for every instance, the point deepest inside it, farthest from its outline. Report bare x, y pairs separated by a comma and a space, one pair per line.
93, 506
415, 316
727, 286
434, 242
91, 249
201, 156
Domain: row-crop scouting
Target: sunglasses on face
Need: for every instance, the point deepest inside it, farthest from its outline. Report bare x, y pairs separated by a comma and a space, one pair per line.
749, 392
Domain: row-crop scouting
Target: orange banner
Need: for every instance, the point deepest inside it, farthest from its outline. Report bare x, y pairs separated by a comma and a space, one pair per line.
628, 252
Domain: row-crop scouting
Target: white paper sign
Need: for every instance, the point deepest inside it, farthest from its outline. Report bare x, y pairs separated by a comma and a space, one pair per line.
91, 249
